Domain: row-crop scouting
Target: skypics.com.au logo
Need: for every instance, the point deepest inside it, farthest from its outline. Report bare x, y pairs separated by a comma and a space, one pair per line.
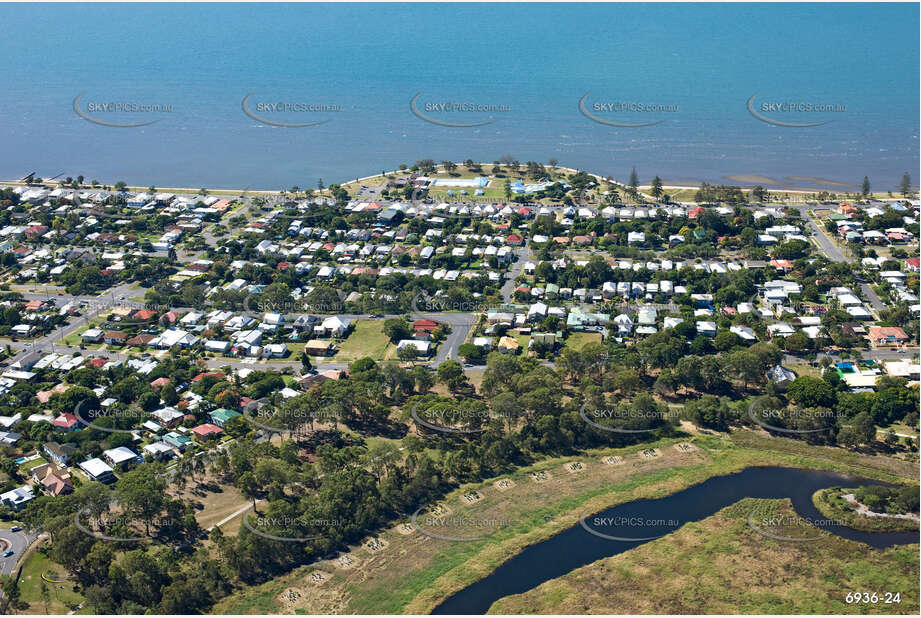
793, 113
290, 529
620, 114
794, 420
120, 112
627, 528
449, 418
625, 419
285, 112
447, 112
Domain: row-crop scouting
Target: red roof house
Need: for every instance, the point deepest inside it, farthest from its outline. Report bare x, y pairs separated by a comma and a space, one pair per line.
426, 326
66, 422
207, 430
216, 374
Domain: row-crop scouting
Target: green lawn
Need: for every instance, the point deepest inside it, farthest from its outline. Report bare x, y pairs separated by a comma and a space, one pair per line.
576, 341
368, 339
61, 596
25, 467
73, 339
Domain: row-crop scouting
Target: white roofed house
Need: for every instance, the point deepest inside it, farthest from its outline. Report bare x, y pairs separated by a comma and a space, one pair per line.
636, 238
423, 348
333, 326
98, 470
173, 337
536, 312
744, 333
167, 416
706, 328
17, 498
120, 456
624, 324
780, 329
158, 450
647, 316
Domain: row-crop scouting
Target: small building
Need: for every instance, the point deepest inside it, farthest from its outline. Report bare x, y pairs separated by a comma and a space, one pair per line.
887, 335
780, 374
97, 470
91, 335
206, 431
222, 416
120, 456
177, 441
508, 345
60, 454
115, 337
66, 422
167, 416
56, 484
423, 348
156, 451
17, 498
318, 347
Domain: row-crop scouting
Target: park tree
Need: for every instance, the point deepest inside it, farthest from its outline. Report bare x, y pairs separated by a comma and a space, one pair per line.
397, 329
812, 392
865, 186
141, 493
450, 373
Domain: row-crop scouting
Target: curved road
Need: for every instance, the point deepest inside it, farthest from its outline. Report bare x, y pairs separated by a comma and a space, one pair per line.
18, 542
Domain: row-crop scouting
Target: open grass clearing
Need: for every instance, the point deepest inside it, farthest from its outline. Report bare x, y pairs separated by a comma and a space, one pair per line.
367, 339
61, 596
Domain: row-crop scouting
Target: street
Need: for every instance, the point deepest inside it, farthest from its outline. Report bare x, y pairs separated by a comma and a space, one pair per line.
18, 542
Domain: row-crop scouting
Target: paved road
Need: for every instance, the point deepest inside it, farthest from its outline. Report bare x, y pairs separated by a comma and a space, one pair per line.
461, 323
831, 250
828, 247
508, 288
18, 542
872, 296
906, 354
96, 305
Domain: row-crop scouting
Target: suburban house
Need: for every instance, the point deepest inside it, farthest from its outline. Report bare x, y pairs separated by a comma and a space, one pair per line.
222, 416
60, 454
887, 335
120, 456
157, 451
17, 498
318, 347
66, 422
91, 335
57, 485
115, 337
97, 470
167, 416
423, 348
206, 431
177, 441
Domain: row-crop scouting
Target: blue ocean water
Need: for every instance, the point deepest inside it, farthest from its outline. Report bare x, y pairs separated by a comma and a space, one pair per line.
531, 64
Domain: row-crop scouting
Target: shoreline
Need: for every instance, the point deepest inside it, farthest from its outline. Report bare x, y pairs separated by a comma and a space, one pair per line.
745, 185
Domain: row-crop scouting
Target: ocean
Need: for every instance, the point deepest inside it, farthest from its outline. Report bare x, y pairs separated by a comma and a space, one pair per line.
385, 84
